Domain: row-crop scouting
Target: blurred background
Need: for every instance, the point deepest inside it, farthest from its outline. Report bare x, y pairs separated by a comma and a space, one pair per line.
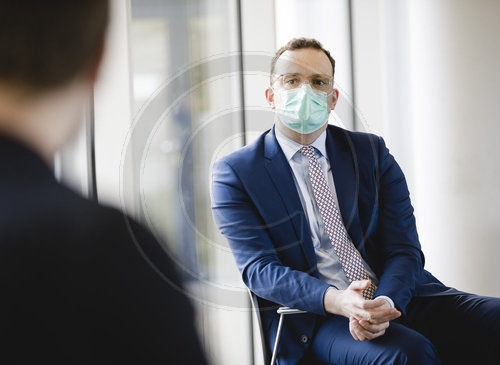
183, 84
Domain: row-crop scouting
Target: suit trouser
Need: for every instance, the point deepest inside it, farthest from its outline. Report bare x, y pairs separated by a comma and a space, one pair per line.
452, 329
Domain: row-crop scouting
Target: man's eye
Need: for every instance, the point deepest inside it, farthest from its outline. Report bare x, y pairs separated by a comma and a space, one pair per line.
291, 81
319, 82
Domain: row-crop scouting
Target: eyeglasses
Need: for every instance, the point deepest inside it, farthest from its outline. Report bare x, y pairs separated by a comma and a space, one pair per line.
294, 81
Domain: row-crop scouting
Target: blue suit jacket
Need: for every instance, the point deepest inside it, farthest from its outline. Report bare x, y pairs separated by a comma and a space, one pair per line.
257, 208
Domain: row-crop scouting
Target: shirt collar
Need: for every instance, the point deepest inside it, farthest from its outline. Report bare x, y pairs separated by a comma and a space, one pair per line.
290, 147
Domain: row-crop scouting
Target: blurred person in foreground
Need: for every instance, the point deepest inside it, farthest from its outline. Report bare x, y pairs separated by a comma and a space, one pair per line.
319, 218
80, 283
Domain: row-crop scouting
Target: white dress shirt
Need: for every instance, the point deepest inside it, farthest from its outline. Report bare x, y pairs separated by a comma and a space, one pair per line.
329, 267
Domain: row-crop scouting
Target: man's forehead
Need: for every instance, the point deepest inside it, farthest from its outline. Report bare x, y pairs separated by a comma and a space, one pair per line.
306, 61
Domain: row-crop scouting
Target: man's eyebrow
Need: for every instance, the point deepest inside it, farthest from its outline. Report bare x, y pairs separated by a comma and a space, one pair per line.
298, 73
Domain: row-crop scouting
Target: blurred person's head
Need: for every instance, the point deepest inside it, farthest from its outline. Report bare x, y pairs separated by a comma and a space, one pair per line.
301, 91
50, 55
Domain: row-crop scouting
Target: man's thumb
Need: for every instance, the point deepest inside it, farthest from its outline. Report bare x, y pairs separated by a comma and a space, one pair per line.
360, 284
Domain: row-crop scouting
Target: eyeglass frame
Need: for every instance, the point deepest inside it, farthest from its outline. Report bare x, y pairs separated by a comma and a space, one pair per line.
309, 79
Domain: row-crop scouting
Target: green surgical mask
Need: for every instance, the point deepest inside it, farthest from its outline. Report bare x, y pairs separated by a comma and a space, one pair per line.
303, 110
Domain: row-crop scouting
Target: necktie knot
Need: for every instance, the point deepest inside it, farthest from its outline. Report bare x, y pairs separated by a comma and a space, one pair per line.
308, 151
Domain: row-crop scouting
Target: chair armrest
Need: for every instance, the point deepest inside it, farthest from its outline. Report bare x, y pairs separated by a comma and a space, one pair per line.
287, 310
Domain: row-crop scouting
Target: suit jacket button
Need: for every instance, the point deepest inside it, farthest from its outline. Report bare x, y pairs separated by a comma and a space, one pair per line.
304, 339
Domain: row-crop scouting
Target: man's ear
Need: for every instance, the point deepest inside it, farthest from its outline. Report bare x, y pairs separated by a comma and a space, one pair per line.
270, 97
335, 98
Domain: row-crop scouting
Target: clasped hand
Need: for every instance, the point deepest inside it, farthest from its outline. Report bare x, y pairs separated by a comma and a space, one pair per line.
368, 319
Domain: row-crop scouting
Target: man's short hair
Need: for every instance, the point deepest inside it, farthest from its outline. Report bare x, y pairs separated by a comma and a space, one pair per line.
299, 43
45, 44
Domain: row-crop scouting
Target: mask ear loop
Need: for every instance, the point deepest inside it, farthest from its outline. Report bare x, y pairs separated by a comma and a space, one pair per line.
330, 115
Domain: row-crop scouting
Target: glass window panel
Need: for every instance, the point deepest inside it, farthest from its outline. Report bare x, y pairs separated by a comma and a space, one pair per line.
187, 113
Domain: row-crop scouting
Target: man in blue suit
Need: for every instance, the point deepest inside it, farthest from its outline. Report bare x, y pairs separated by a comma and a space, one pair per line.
319, 218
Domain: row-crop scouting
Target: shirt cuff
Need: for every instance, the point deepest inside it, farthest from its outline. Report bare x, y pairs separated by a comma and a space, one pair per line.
389, 300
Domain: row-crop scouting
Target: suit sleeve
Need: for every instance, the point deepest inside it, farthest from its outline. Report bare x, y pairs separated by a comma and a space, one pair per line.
261, 268
396, 234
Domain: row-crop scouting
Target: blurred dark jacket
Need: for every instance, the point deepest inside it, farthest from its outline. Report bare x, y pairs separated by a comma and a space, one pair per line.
80, 283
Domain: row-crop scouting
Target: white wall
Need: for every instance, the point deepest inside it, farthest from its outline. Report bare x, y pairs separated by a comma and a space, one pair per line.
427, 79
456, 77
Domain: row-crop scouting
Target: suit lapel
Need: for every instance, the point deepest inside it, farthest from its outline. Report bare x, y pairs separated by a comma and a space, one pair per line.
280, 172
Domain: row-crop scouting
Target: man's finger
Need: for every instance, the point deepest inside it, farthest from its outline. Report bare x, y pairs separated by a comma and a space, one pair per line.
352, 324
359, 285
377, 316
374, 303
357, 330
373, 328
384, 315
354, 335
364, 335
361, 334
372, 336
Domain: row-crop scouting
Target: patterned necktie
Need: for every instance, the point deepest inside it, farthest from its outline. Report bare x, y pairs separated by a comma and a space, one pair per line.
348, 255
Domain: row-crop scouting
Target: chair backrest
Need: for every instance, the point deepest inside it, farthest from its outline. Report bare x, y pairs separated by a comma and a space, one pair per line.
255, 306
